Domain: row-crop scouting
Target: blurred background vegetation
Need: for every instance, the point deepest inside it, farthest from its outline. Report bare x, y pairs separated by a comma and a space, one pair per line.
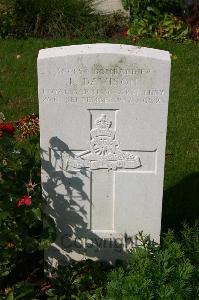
173, 19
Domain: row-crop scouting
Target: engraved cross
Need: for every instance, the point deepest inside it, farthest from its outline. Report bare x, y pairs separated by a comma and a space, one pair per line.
102, 160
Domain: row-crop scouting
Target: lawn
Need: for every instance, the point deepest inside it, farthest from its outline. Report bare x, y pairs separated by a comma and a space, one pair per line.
18, 97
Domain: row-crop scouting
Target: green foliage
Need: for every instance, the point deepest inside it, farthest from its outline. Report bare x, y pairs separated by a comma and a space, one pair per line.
82, 280
112, 25
21, 291
21, 226
6, 19
157, 272
156, 19
78, 18
167, 271
138, 7
52, 18
155, 25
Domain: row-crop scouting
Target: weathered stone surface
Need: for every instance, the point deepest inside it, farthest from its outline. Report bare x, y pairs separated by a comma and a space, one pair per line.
103, 119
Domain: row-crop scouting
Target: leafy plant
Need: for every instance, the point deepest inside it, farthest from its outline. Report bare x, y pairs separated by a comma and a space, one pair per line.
156, 19
71, 18
138, 7
156, 25
159, 272
52, 18
21, 215
82, 280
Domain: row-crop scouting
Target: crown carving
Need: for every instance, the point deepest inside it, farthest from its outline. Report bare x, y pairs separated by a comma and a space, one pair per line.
103, 125
103, 122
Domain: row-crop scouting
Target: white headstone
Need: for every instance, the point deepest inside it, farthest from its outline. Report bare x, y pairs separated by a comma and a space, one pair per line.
109, 6
103, 120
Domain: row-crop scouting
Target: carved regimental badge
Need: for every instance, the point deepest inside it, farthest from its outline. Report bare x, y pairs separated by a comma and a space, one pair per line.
104, 150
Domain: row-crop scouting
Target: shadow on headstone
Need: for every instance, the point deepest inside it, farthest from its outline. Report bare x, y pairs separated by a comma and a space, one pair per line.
63, 191
181, 203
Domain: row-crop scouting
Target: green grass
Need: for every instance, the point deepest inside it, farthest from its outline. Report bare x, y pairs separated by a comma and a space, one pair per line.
18, 97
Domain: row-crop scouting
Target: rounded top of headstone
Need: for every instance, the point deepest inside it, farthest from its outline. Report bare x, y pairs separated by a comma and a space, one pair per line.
102, 48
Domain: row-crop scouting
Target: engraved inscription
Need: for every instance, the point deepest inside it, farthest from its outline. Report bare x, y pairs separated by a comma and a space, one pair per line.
95, 92
103, 85
100, 70
150, 96
103, 100
120, 71
108, 81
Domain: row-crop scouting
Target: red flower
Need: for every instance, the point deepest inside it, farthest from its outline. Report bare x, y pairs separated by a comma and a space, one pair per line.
7, 127
24, 200
125, 33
